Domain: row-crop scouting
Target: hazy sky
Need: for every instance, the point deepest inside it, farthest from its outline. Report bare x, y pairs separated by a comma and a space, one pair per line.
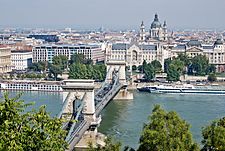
119, 14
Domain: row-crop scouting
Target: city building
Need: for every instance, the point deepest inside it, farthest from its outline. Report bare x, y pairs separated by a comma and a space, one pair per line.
142, 32
135, 54
157, 31
5, 59
47, 38
21, 59
47, 52
214, 52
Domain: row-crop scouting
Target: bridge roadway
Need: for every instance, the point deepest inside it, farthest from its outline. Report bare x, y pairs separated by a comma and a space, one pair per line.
102, 98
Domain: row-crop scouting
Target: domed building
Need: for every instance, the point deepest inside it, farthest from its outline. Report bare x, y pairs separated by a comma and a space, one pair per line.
158, 31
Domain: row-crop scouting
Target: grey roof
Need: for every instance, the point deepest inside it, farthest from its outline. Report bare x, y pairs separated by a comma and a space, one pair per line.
218, 42
148, 47
194, 43
120, 46
179, 47
156, 23
76, 46
207, 47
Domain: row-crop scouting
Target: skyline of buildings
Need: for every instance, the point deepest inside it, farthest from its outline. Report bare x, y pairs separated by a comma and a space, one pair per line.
153, 41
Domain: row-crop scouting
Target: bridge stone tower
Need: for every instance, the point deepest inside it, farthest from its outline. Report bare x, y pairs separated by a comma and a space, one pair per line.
119, 66
82, 90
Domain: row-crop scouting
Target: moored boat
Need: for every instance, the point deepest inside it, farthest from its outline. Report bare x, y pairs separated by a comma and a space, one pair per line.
182, 89
25, 85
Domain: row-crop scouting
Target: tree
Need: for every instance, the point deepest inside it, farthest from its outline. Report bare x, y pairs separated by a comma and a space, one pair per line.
88, 61
78, 71
166, 131
34, 130
156, 65
82, 71
134, 68
200, 64
18, 75
55, 70
99, 72
185, 58
211, 69
109, 146
149, 72
211, 77
144, 64
77, 58
175, 69
140, 68
167, 62
172, 73
40, 66
214, 136
61, 61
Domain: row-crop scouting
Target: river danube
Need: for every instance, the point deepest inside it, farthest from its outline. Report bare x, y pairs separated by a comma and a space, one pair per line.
124, 120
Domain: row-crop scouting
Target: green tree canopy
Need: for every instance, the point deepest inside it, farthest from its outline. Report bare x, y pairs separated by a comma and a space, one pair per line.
88, 61
40, 66
55, 70
77, 58
175, 69
78, 71
211, 69
214, 136
144, 64
166, 131
149, 72
167, 62
157, 65
211, 77
82, 71
185, 58
172, 73
34, 130
200, 65
60, 61
134, 67
140, 68
109, 146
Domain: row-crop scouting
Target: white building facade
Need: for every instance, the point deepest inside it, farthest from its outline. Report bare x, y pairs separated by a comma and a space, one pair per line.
5, 60
47, 52
135, 54
21, 60
214, 52
157, 31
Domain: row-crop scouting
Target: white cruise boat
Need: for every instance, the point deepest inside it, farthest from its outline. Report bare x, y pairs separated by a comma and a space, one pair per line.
28, 85
185, 88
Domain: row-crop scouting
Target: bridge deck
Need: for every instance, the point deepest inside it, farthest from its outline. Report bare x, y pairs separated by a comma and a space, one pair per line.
84, 125
102, 97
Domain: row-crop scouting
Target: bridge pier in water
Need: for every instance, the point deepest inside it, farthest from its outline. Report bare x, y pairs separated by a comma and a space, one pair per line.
124, 94
120, 66
82, 90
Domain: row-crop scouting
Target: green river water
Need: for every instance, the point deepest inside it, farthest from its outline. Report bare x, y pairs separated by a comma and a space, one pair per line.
124, 120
